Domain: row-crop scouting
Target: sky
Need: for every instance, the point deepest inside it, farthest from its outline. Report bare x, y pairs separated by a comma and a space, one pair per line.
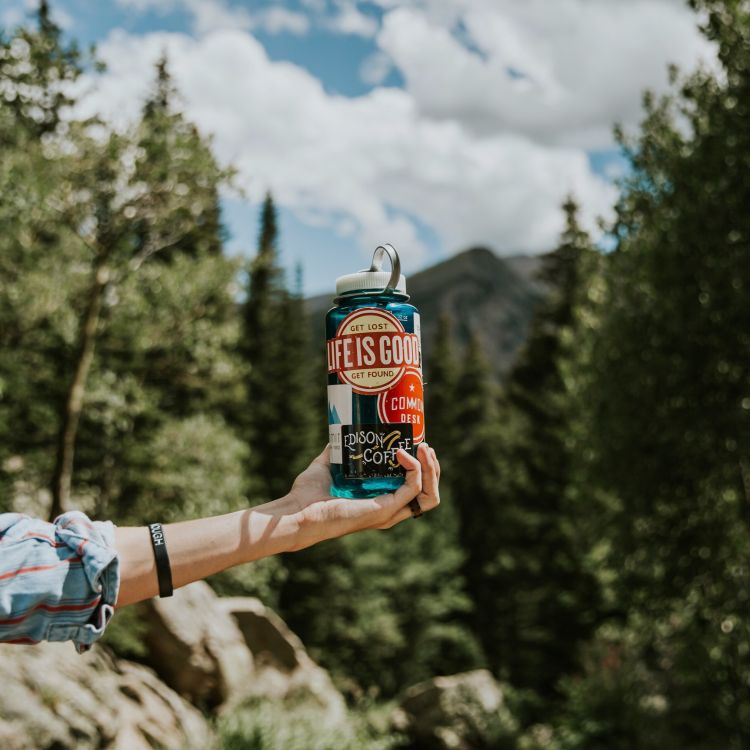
434, 125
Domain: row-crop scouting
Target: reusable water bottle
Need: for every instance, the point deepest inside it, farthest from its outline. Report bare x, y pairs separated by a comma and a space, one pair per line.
375, 385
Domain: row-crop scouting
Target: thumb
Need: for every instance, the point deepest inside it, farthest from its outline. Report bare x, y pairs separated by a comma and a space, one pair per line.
324, 459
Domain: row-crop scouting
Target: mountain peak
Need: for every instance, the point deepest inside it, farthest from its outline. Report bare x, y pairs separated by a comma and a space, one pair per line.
479, 252
483, 294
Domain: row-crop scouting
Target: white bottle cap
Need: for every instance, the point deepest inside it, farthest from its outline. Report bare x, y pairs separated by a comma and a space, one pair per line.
366, 280
374, 278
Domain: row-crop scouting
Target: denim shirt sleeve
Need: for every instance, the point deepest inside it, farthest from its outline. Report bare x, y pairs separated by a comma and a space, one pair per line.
58, 581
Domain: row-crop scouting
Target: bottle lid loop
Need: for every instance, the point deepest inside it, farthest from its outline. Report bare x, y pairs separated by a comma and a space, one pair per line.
375, 280
377, 264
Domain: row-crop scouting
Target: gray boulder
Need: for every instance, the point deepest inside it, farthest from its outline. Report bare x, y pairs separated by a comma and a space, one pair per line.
52, 697
195, 646
283, 669
460, 712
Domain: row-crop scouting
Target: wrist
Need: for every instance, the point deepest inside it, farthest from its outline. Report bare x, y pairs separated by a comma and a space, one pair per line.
311, 525
274, 527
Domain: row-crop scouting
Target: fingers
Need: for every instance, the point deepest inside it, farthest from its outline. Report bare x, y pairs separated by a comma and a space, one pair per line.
412, 485
400, 516
437, 463
386, 505
430, 495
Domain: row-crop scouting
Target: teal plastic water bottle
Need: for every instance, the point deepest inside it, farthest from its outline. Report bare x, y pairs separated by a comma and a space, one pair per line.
375, 384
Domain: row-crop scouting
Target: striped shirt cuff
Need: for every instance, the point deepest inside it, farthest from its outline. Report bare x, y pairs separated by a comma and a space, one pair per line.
58, 581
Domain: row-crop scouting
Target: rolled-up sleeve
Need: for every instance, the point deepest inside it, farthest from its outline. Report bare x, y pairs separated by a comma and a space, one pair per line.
58, 581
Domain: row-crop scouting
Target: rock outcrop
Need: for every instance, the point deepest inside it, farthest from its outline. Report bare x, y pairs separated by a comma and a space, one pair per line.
52, 697
207, 652
283, 669
196, 647
461, 712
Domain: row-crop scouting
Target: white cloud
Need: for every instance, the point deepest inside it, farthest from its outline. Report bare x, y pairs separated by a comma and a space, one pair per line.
11, 17
375, 68
18, 12
364, 165
561, 72
212, 15
318, 6
164, 6
276, 20
349, 19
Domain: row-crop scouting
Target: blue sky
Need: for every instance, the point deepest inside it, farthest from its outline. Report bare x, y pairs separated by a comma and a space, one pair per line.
431, 124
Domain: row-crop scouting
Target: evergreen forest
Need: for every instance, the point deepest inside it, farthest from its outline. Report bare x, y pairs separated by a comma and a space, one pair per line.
592, 548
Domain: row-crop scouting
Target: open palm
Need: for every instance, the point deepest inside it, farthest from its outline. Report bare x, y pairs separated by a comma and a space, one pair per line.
325, 517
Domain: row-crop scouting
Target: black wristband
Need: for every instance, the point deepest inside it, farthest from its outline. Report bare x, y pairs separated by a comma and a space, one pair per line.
163, 569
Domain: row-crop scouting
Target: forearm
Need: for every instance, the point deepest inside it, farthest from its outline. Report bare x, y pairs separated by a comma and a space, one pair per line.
202, 547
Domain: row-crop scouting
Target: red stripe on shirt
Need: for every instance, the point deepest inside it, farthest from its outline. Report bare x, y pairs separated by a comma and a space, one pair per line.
82, 522
52, 608
36, 568
22, 641
43, 538
34, 535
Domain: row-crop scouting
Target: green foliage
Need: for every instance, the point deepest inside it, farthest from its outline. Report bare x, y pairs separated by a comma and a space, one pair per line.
125, 633
380, 609
533, 555
384, 610
592, 542
663, 379
266, 726
263, 579
173, 161
38, 69
196, 470
440, 394
279, 424
40, 259
476, 436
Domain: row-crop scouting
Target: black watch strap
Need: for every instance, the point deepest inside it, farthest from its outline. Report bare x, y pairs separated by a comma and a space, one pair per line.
163, 569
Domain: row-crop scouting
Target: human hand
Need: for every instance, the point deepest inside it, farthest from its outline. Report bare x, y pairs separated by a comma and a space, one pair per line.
321, 516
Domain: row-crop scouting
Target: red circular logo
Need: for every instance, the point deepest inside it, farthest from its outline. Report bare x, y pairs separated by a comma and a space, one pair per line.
404, 404
371, 351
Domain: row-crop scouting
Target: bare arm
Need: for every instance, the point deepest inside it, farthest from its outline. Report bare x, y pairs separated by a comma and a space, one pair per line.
307, 515
202, 547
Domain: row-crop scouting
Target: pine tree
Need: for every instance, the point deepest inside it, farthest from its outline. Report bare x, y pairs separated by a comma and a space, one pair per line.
666, 403
263, 292
302, 413
440, 392
39, 255
39, 70
280, 417
548, 601
121, 236
383, 610
474, 480
174, 160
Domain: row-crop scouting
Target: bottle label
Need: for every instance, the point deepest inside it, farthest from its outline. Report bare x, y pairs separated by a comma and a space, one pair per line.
404, 404
372, 352
339, 414
376, 404
369, 450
